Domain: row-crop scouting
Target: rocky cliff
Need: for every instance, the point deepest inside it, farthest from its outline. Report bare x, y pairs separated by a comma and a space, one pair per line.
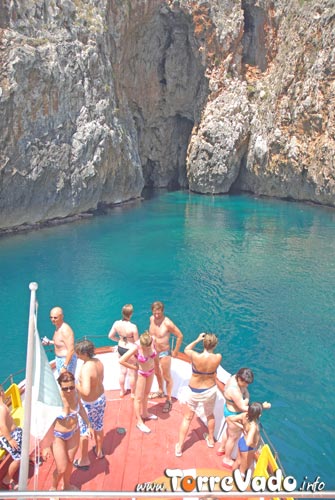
99, 98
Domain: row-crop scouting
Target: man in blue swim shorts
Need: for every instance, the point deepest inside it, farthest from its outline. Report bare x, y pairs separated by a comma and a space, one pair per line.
11, 441
91, 389
63, 341
160, 329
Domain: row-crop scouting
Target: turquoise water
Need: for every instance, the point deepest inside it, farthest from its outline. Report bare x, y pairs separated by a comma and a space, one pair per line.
260, 273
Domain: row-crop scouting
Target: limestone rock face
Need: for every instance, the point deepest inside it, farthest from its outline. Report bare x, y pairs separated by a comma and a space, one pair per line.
64, 149
99, 98
218, 146
286, 135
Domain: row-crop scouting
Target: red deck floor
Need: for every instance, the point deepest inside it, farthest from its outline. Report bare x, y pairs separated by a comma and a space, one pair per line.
134, 457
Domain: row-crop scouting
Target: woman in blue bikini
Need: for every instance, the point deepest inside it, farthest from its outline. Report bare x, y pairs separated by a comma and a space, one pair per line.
146, 355
66, 431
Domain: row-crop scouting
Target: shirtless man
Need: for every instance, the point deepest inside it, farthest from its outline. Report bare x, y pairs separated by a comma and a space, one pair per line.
63, 341
91, 389
160, 329
11, 441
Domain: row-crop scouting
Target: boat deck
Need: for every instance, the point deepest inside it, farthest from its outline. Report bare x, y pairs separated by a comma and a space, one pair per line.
144, 457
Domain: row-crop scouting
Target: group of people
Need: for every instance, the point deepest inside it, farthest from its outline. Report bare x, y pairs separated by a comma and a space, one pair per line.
84, 402
145, 356
141, 357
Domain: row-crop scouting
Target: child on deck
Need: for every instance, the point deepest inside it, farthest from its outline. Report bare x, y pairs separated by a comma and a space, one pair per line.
249, 441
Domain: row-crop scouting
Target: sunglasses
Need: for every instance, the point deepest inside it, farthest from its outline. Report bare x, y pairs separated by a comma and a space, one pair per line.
69, 388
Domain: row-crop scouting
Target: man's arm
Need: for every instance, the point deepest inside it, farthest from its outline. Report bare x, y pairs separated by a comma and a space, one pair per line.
172, 328
68, 339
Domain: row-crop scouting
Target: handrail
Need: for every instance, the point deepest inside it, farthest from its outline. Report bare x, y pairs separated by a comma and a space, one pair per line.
10, 378
178, 494
272, 448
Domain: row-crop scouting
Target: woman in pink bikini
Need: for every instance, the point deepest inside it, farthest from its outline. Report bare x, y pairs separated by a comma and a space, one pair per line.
146, 355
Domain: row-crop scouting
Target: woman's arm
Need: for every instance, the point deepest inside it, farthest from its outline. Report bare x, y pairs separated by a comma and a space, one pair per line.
113, 332
189, 348
126, 356
237, 419
136, 335
240, 403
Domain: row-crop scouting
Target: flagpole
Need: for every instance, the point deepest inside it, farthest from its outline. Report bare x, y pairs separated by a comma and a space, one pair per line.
24, 466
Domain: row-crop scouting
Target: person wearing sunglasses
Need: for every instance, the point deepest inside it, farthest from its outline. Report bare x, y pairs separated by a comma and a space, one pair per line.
66, 431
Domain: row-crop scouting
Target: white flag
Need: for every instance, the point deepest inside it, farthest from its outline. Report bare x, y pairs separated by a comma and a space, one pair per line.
46, 399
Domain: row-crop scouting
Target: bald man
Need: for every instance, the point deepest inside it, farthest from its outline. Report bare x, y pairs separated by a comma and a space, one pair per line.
63, 341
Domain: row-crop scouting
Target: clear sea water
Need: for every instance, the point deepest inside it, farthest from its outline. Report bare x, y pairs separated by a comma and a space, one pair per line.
260, 273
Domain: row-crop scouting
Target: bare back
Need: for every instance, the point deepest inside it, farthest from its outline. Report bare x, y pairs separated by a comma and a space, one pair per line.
91, 379
7, 423
251, 432
204, 366
124, 332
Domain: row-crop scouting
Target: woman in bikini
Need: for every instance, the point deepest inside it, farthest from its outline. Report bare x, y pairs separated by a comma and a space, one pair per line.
202, 387
66, 431
249, 441
146, 356
125, 333
237, 401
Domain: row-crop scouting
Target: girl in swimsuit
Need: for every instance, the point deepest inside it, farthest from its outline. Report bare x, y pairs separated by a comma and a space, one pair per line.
125, 333
249, 441
66, 431
202, 387
146, 355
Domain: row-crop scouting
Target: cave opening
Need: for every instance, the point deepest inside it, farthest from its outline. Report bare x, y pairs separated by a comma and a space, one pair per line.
164, 82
